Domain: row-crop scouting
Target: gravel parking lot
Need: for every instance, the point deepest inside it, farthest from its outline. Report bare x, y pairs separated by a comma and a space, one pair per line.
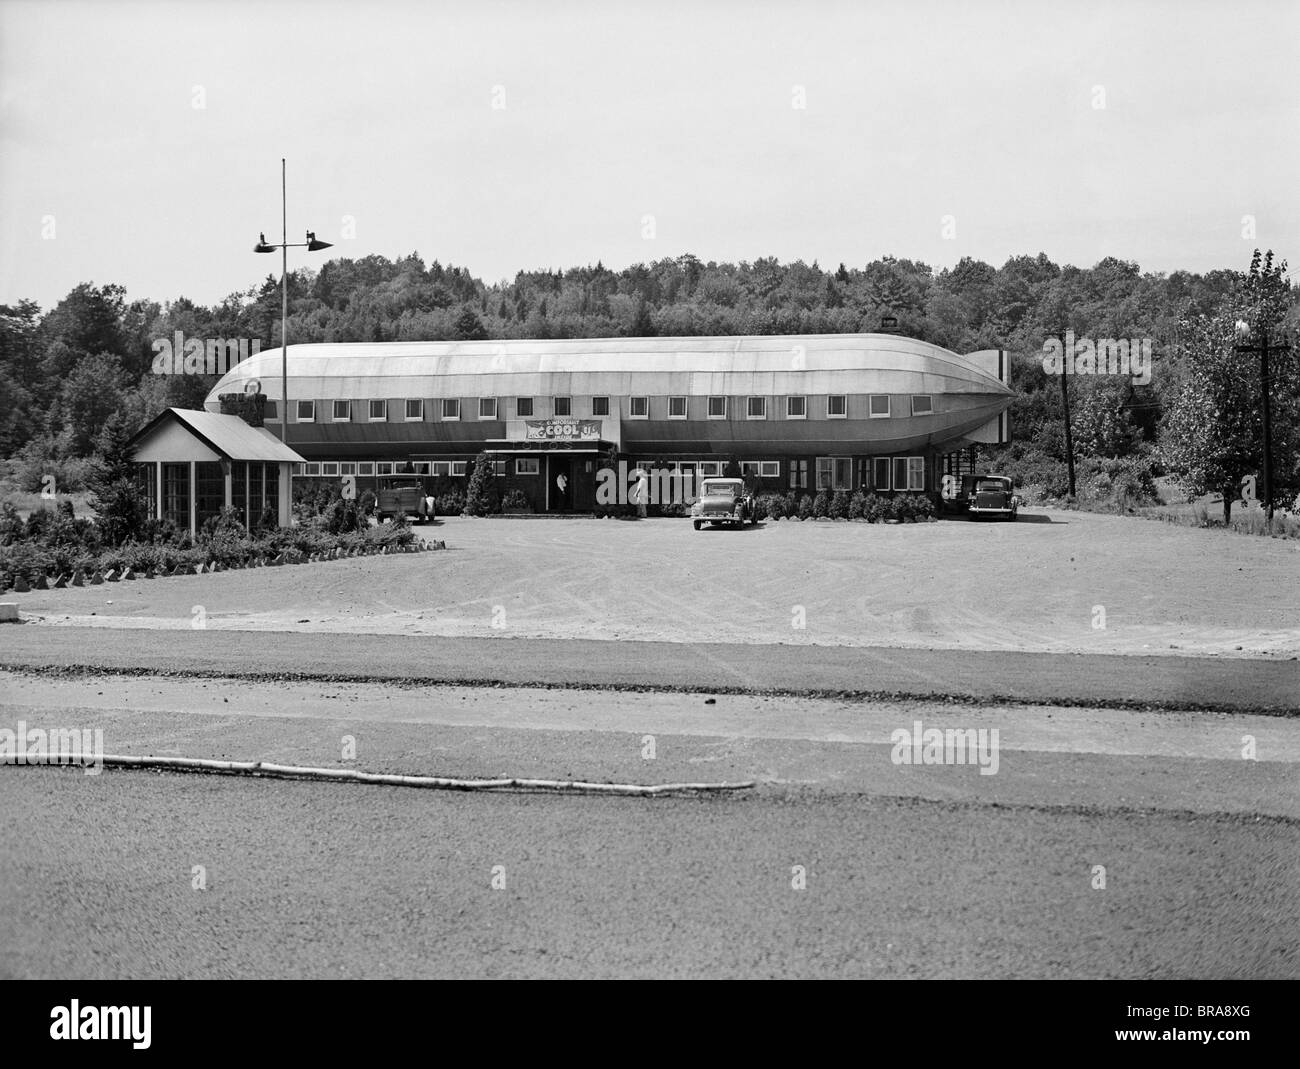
1046, 583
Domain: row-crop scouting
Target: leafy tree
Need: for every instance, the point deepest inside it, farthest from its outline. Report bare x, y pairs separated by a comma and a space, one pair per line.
117, 496
469, 327
1213, 431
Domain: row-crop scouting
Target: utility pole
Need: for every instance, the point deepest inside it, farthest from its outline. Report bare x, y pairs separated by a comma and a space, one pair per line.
1263, 349
1065, 401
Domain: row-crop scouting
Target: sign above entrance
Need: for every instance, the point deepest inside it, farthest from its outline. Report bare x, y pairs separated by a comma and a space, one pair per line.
563, 430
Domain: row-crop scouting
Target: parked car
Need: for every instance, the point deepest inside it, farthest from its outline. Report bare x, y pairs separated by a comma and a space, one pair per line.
991, 495
405, 494
723, 502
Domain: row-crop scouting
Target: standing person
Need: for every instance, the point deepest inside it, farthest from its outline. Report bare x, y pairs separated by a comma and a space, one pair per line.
642, 492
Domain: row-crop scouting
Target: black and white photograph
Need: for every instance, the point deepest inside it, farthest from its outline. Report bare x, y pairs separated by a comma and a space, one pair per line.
648, 491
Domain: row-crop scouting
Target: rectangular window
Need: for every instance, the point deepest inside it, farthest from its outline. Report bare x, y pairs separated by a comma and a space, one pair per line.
329, 467
526, 466
458, 468
414, 409
487, 408
900, 473
639, 407
837, 406
879, 406
342, 411
757, 408
366, 467
421, 467
239, 487
710, 469
306, 411
823, 473
717, 408
916, 473
209, 491
769, 469
922, 404
798, 475
498, 467
348, 467
563, 405
880, 473
600, 406
270, 412
451, 408
749, 467
378, 411
796, 408
843, 474
312, 468
270, 492
677, 408
523, 407
383, 467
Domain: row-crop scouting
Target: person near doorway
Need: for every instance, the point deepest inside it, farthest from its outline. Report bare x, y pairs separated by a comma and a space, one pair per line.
641, 495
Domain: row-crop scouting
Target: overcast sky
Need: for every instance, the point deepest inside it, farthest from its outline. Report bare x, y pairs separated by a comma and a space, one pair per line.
141, 143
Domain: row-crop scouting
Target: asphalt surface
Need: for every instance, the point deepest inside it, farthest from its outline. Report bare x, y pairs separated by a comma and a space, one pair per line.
317, 880
983, 676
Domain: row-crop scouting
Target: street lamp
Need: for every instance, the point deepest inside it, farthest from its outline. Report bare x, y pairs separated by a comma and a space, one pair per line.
311, 245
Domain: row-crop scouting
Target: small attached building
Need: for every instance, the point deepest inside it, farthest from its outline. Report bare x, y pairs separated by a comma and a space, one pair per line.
193, 464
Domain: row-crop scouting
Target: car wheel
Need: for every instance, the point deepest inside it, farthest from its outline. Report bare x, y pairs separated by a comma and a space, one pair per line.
696, 524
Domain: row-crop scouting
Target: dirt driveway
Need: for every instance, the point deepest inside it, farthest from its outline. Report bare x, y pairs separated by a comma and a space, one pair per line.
1061, 581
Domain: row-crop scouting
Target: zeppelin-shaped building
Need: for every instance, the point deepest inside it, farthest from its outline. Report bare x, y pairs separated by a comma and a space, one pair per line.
807, 412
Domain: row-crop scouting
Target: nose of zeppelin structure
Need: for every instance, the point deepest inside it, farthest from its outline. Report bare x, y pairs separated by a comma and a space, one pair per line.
877, 412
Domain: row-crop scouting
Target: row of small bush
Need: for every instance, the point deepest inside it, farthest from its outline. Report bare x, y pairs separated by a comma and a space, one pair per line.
843, 505
54, 543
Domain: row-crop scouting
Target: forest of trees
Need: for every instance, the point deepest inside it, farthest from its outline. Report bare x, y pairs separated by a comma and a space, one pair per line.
63, 372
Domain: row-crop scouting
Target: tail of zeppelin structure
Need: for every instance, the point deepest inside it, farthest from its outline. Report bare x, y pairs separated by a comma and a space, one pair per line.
835, 411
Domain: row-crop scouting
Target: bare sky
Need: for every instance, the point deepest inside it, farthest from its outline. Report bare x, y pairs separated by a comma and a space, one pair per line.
389, 113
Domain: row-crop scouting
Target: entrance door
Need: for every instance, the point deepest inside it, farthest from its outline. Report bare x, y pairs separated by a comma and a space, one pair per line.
560, 476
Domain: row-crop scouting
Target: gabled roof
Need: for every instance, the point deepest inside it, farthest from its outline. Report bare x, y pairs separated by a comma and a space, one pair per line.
225, 434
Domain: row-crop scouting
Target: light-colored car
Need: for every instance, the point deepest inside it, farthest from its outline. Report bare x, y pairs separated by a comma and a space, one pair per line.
723, 502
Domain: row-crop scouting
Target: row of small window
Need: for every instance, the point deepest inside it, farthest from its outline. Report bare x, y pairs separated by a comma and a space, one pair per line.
335, 468
879, 406
836, 473
711, 469
377, 410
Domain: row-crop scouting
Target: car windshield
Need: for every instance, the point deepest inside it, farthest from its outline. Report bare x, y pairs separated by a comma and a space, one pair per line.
720, 489
990, 484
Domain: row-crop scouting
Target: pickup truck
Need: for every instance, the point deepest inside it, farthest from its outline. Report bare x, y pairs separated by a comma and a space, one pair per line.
405, 494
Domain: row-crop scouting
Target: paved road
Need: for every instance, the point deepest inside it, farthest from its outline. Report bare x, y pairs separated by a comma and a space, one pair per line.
318, 880
1093, 679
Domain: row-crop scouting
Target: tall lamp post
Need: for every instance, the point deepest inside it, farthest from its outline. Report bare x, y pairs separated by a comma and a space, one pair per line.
1263, 348
311, 245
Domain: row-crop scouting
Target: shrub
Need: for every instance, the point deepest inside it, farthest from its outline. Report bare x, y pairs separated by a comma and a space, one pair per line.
922, 507
483, 496
515, 499
451, 502
805, 507
858, 506
821, 505
839, 507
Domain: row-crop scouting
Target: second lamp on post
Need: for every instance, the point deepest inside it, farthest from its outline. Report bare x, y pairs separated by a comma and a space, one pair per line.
311, 245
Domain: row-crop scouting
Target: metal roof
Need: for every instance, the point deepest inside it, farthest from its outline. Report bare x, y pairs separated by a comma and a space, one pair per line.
228, 435
732, 366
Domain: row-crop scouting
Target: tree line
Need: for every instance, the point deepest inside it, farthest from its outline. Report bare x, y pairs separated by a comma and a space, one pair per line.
65, 371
